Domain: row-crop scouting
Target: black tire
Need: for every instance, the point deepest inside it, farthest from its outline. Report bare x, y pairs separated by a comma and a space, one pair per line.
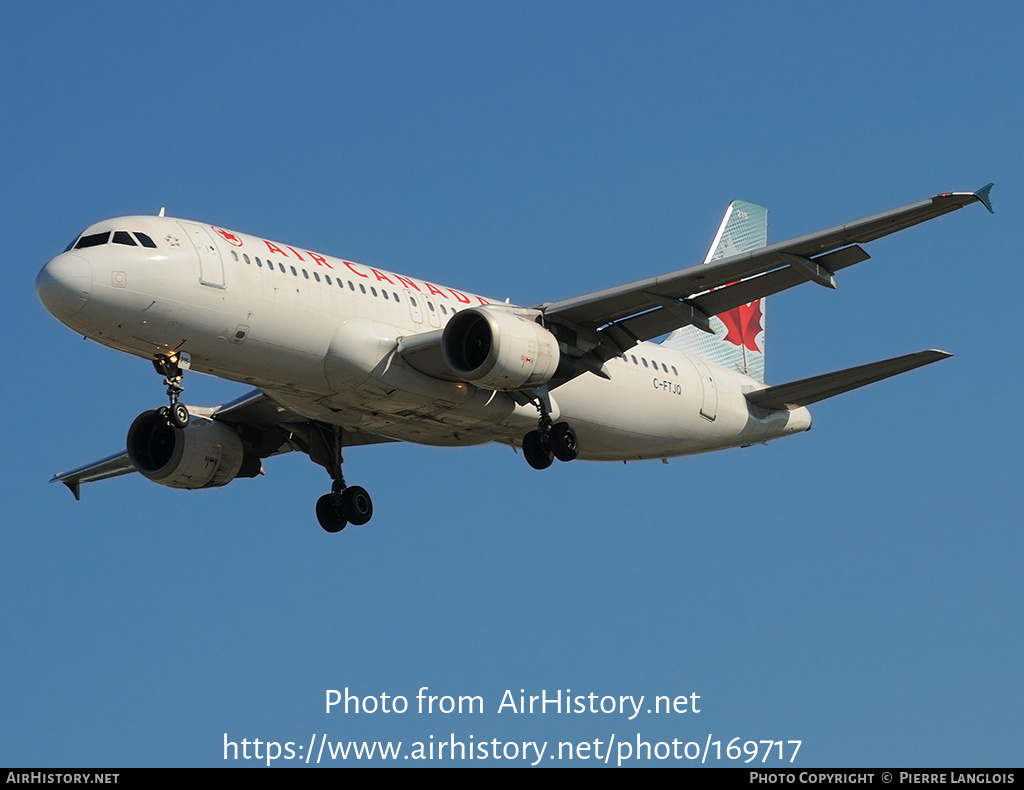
563, 442
178, 415
537, 454
330, 514
356, 505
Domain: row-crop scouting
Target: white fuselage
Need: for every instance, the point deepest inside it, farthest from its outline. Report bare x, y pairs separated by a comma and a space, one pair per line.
320, 334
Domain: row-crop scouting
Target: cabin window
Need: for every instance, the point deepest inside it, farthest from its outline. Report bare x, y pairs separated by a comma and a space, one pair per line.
295, 272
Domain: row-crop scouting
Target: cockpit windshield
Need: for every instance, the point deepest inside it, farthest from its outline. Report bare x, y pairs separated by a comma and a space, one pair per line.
133, 239
93, 240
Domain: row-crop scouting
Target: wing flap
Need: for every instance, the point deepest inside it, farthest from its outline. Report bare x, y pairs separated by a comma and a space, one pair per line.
808, 391
746, 291
254, 408
269, 427
663, 320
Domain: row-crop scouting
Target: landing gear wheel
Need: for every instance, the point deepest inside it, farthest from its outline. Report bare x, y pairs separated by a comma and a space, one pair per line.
330, 513
178, 415
356, 505
563, 442
537, 454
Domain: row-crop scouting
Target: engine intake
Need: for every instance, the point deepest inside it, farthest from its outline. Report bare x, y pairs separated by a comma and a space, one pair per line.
498, 349
203, 455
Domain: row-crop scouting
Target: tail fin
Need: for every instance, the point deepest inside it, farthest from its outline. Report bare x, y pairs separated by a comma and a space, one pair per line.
738, 342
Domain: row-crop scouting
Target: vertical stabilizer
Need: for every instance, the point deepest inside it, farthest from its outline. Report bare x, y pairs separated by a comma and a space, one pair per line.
738, 341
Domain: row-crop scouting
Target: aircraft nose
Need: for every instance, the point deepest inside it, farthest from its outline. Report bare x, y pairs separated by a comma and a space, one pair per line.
64, 284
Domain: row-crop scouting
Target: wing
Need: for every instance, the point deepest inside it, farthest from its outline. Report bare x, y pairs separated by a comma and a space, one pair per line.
112, 466
265, 426
606, 323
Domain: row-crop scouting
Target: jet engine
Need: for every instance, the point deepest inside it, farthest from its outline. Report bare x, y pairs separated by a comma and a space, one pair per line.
499, 349
205, 454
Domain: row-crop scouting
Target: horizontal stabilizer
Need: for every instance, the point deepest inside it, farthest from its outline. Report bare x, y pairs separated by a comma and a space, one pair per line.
812, 390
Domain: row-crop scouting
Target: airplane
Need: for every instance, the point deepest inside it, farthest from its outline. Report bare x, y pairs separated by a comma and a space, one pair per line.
343, 354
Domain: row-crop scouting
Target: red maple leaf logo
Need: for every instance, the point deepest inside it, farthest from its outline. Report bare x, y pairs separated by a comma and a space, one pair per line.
743, 323
229, 237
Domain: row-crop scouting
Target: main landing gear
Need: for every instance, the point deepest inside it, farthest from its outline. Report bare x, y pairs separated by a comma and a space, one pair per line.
345, 504
176, 415
341, 507
549, 441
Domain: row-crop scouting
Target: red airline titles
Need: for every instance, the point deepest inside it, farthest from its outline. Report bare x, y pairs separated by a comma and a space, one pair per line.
381, 276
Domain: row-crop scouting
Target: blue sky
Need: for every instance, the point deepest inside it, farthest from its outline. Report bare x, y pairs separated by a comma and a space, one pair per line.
857, 587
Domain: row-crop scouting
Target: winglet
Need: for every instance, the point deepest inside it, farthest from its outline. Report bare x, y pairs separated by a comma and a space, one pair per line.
982, 195
75, 487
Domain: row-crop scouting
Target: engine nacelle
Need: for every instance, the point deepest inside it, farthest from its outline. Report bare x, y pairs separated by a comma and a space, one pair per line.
203, 455
498, 349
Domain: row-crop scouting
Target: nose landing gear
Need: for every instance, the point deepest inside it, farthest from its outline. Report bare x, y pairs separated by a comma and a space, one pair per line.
166, 365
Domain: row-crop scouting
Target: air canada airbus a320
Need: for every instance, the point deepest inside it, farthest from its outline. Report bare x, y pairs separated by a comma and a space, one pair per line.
343, 354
